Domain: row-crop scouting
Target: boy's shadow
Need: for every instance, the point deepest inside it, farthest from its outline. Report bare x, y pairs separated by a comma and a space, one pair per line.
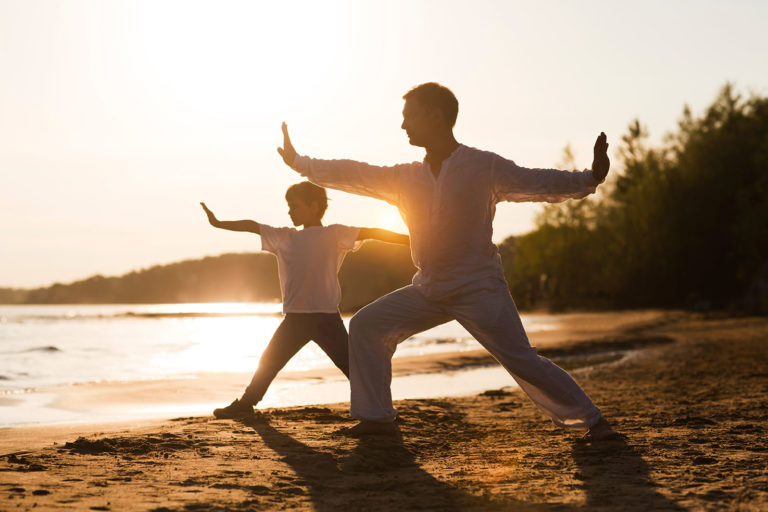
379, 474
615, 476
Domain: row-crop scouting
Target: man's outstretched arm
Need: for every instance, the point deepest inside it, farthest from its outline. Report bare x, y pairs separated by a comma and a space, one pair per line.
600, 162
346, 175
519, 184
249, 226
288, 152
383, 235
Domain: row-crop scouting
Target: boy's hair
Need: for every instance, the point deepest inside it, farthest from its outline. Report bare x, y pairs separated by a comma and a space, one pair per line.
309, 193
434, 95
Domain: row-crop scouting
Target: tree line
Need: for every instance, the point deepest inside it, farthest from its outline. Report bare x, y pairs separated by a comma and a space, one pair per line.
374, 270
684, 224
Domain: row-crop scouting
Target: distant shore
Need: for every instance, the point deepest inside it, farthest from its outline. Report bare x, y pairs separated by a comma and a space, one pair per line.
692, 406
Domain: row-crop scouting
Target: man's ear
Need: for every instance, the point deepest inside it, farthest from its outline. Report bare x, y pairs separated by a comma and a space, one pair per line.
436, 116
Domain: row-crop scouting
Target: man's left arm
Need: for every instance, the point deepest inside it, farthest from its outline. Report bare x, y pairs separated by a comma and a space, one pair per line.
520, 184
600, 162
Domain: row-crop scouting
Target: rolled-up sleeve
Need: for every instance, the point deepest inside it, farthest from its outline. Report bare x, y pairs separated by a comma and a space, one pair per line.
520, 184
354, 177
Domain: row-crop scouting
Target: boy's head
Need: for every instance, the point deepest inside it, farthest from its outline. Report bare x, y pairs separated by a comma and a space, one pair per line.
306, 203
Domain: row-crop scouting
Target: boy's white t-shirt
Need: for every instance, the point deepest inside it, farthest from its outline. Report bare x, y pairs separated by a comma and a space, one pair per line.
308, 262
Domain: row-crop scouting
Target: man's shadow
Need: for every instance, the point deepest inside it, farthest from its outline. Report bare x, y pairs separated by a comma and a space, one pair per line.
615, 476
379, 474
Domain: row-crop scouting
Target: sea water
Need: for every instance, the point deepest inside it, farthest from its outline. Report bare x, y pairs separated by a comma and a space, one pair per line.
46, 347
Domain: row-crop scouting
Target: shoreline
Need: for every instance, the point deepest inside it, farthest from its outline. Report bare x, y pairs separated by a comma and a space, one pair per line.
693, 439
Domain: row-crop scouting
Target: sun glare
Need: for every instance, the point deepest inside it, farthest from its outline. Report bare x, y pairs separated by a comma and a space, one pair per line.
234, 58
392, 221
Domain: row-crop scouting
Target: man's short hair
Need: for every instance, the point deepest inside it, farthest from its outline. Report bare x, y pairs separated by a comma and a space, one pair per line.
434, 95
309, 193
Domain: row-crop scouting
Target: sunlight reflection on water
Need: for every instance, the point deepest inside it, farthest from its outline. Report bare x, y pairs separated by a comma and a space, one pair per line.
51, 345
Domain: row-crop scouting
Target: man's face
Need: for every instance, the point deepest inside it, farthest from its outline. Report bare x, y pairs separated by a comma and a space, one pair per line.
417, 122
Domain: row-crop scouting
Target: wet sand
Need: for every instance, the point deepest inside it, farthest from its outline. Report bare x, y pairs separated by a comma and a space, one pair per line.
689, 394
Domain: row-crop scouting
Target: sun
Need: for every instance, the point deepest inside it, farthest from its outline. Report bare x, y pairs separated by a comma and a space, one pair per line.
392, 221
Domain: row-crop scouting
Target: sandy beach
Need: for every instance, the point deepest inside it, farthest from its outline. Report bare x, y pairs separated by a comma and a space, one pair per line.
688, 393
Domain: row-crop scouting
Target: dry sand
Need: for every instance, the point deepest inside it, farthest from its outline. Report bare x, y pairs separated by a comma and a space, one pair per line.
690, 398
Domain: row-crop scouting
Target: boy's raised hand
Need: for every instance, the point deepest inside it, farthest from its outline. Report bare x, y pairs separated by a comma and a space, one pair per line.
287, 151
211, 217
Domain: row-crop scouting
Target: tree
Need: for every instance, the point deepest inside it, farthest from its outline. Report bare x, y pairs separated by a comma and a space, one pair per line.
685, 223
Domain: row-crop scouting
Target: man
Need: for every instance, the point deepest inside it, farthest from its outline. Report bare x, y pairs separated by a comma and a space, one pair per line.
448, 202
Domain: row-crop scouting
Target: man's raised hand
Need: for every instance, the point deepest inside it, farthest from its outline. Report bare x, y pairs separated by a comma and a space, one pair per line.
601, 163
287, 151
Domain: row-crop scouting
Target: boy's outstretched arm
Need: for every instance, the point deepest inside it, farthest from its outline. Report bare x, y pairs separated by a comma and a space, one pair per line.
384, 236
249, 226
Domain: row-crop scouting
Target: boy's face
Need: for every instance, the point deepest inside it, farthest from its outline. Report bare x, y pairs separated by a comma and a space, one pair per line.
302, 212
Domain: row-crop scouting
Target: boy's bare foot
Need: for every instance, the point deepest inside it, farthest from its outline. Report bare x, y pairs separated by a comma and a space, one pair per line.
600, 431
235, 410
370, 428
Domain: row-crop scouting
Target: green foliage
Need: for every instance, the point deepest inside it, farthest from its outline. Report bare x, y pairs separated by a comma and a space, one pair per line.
685, 224
12, 295
225, 278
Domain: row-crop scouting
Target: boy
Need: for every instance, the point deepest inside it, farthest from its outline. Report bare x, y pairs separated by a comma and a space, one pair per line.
308, 263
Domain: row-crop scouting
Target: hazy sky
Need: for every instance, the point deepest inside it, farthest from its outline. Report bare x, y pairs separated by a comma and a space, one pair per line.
118, 117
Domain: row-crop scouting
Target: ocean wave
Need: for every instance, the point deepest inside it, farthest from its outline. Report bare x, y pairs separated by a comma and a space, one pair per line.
139, 314
48, 348
440, 341
194, 314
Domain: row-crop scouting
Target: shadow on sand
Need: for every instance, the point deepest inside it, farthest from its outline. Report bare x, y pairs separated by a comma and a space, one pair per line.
380, 473
615, 477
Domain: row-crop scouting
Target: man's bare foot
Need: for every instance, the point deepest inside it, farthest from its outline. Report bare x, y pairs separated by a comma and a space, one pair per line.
600, 431
370, 428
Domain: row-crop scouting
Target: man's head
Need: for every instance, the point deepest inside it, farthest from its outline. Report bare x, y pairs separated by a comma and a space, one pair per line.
430, 111
306, 203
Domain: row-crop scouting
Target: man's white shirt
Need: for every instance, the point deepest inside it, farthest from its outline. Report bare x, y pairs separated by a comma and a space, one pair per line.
450, 218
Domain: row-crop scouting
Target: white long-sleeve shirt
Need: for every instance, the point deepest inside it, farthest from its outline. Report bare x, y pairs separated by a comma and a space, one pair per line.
450, 219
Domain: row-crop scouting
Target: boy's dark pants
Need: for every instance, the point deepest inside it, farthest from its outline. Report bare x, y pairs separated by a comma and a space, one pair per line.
296, 329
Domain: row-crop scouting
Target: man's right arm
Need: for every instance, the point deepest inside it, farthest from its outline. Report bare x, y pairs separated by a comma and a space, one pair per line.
346, 175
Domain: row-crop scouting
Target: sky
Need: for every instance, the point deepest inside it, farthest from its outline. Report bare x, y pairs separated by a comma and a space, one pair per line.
118, 117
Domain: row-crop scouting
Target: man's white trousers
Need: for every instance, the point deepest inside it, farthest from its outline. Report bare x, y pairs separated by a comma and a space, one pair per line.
491, 317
